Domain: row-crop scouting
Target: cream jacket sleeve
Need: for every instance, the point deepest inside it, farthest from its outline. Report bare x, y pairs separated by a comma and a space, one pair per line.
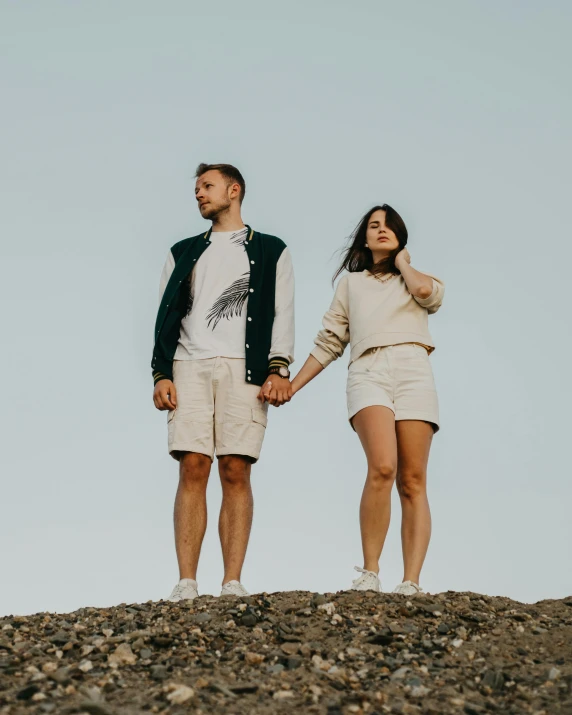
434, 301
332, 340
283, 328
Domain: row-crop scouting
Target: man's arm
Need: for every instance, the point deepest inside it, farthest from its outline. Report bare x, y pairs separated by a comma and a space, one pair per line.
164, 394
276, 389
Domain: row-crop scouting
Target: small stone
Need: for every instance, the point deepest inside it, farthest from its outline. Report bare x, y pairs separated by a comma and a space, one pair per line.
457, 643
275, 669
329, 608
294, 662
145, 653
123, 655
28, 692
290, 648
181, 694
493, 680
400, 673
202, 618
245, 688
553, 674
283, 695
60, 638
85, 666
249, 620
253, 658
159, 672
318, 599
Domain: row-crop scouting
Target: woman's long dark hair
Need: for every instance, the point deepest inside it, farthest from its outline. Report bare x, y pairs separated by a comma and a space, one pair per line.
358, 257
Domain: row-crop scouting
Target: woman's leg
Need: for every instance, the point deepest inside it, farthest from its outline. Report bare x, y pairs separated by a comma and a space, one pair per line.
375, 427
413, 445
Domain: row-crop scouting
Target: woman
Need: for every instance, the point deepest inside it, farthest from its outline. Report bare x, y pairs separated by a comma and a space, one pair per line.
380, 307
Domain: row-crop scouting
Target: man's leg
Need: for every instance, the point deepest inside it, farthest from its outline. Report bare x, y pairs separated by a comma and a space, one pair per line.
235, 514
191, 511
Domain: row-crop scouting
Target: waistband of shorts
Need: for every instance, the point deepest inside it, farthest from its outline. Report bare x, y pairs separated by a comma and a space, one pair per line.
376, 349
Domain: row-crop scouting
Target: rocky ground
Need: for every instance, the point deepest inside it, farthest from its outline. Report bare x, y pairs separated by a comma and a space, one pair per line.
313, 653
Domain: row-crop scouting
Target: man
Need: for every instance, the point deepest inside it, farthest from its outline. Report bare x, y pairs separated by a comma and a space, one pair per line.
224, 340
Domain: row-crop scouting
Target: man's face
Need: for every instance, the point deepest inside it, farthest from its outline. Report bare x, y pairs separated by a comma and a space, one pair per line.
213, 193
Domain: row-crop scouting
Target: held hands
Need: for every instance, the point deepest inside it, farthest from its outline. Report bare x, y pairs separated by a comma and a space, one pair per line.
401, 258
276, 390
165, 395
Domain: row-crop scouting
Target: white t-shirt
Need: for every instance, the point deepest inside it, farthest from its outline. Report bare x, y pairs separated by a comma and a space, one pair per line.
216, 323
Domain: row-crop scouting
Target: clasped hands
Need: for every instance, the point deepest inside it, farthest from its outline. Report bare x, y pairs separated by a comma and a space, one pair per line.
276, 390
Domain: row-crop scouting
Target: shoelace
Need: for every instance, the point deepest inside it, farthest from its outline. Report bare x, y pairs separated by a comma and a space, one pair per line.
417, 588
178, 591
365, 576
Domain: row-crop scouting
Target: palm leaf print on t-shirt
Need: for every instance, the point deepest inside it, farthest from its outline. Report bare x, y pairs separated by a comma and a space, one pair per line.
231, 302
239, 238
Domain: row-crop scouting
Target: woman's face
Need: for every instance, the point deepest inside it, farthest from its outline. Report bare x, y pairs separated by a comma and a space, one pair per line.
380, 239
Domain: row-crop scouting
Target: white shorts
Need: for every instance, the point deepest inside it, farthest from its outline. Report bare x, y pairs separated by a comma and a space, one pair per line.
217, 410
398, 377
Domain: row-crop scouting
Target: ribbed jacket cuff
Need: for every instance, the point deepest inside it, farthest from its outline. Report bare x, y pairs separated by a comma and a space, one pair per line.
157, 376
278, 362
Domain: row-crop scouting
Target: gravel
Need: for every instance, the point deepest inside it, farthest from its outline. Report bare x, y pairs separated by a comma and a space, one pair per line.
350, 652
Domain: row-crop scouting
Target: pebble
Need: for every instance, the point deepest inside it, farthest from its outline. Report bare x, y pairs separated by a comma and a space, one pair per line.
180, 694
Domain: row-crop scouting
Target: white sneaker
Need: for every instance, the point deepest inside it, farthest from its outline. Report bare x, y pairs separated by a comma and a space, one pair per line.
408, 588
234, 588
185, 590
368, 581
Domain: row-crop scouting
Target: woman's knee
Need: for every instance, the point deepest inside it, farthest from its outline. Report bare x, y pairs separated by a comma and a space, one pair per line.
382, 474
411, 484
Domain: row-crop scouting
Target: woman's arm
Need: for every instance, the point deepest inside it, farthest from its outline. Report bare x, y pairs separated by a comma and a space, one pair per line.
331, 341
418, 284
307, 372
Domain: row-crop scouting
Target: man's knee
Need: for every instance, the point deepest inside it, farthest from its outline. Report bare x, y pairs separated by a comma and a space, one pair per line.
234, 471
194, 470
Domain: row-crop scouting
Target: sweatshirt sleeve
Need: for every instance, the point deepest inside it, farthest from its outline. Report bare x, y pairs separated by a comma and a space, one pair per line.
433, 302
332, 340
282, 345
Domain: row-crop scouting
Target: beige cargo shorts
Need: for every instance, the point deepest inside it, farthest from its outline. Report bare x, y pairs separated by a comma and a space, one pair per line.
217, 410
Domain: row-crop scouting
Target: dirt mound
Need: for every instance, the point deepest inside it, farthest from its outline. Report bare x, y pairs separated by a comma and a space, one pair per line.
315, 653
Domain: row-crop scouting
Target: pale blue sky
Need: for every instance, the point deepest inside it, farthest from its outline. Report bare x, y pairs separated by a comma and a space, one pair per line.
458, 114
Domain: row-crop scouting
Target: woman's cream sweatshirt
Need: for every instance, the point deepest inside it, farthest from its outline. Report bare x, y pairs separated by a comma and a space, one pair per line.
369, 313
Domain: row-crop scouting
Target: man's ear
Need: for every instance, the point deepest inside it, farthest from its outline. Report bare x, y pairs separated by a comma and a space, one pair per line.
234, 191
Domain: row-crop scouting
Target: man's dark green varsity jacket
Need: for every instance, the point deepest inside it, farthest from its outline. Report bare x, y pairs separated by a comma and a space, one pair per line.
269, 339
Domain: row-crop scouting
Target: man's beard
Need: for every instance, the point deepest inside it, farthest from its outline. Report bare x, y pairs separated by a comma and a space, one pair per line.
212, 211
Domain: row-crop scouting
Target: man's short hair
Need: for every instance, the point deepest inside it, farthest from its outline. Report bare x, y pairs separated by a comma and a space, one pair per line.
231, 173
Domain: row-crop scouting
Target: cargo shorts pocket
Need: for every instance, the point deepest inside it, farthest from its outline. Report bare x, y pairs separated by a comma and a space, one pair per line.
259, 416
